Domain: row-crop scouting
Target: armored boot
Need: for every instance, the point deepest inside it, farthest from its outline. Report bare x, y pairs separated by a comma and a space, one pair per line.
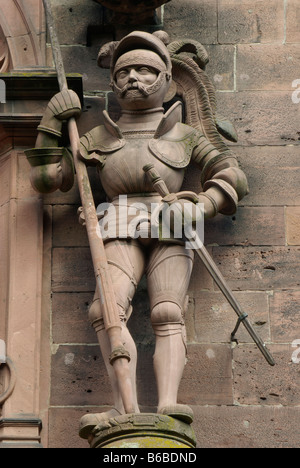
89, 421
169, 363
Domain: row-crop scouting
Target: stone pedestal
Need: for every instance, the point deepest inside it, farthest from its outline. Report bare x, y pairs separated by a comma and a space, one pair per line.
145, 430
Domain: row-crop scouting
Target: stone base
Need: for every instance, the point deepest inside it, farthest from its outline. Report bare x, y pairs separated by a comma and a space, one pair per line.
145, 430
21, 432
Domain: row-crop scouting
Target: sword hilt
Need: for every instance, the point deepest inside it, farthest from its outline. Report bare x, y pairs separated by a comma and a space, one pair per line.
159, 184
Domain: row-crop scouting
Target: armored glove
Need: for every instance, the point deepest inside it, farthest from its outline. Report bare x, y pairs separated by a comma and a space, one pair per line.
62, 106
223, 191
182, 215
51, 166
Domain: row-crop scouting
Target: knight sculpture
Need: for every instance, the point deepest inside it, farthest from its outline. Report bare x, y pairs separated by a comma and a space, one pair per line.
144, 70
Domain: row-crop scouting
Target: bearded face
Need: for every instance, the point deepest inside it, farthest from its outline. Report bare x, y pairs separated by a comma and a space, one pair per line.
134, 81
140, 80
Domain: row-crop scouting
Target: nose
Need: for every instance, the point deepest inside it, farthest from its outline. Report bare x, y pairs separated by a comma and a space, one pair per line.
132, 76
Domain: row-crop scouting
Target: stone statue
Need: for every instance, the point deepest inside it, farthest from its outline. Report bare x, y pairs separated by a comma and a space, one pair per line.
141, 74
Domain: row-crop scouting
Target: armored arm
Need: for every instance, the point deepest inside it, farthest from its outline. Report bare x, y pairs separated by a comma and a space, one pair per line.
52, 165
224, 183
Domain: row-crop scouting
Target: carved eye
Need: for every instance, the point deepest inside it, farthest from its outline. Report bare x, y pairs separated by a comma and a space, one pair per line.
145, 70
122, 73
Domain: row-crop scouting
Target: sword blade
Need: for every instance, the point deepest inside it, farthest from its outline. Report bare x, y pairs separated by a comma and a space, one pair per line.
217, 276
198, 246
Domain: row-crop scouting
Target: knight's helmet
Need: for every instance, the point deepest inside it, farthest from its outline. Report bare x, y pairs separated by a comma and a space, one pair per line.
143, 49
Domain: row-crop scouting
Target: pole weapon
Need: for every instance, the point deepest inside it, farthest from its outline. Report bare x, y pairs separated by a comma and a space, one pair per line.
119, 357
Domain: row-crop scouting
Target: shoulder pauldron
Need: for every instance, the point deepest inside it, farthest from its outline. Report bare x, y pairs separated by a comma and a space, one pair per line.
173, 142
175, 148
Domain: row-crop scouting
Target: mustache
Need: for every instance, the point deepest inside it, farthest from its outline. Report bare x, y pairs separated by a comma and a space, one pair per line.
136, 87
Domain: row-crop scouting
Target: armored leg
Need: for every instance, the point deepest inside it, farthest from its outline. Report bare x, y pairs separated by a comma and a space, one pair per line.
126, 262
168, 279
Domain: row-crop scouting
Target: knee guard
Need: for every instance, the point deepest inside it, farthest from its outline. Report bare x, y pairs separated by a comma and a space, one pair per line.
167, 319
96, 317
166, 313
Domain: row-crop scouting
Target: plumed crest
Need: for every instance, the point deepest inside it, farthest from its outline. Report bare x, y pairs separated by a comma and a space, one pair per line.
189, 59
105, 54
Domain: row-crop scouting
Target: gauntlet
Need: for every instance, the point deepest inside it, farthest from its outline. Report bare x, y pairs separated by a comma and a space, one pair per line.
181, 213
52, 166
62, 106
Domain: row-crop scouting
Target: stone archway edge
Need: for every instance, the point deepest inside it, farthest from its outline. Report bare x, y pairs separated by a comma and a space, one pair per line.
22, 37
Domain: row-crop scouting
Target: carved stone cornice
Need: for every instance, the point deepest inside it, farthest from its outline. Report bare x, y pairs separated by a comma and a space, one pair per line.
14, 432
38, 85
133, 11
133, 7
27, 95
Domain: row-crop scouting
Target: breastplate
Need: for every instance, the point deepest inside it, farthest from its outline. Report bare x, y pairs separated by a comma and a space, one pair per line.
123, 172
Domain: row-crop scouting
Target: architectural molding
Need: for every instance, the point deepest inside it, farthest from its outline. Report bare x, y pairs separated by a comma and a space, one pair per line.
21, 432
21, 235
22, 35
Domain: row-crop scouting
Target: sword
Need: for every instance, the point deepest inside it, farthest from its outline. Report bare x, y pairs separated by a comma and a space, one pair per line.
119, 357
160, 186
